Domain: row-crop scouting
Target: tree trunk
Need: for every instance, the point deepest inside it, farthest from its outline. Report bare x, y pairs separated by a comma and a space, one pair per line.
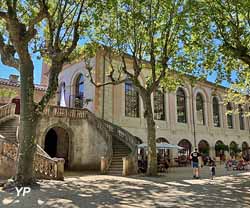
28, 122
151, 135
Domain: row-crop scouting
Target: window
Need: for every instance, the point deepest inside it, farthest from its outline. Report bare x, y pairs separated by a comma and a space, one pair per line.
61, 95
159, 105
79, 92
131, 100
200, 109
229, 116
241, 117
216, 112
181, 106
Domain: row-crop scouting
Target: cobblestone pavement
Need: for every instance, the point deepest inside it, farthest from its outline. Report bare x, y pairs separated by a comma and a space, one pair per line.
174, 189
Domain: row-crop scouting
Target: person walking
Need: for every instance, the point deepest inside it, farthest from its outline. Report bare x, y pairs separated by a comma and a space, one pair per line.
212, 168
195, 163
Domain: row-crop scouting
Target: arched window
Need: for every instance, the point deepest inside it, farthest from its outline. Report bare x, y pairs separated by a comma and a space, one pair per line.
229, 116
131, 100
200, 109
216, 112
203, 147
181, 106
241, 118
79, 91
159, 105
61, 95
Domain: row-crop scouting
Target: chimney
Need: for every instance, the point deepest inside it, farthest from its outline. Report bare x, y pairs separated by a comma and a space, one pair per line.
13, 78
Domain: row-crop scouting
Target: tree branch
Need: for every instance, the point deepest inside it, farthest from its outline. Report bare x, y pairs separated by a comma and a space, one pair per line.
7, 53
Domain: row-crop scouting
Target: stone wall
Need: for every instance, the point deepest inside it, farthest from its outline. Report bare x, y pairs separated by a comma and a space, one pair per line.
86, 144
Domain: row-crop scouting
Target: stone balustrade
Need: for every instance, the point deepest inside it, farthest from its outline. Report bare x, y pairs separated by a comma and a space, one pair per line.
130, 162
58, 111
7, 111
44, 166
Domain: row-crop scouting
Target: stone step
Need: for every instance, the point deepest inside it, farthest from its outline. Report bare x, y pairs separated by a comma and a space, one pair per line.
120, 155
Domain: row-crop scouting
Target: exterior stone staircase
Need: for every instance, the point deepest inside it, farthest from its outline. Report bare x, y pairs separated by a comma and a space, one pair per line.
124, 144
119, 141
45, 166
8, 129
120, 150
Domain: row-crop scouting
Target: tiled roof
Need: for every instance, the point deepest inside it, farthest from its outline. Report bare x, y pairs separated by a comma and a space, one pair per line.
17, 84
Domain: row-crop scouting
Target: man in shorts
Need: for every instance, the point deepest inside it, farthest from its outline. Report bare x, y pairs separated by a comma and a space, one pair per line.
195, 163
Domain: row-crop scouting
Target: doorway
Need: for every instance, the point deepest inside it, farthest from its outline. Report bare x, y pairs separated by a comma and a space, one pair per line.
57, 144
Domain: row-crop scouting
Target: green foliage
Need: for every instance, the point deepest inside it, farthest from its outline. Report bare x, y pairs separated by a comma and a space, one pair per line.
7, 93
151, 32
234, 148
220, 33
222, 147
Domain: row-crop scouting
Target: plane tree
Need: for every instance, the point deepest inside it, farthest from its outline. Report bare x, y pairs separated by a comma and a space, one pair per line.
48, 29
221, 35
146, 37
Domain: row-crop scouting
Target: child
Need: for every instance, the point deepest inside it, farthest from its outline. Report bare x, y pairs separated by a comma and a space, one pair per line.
212, 168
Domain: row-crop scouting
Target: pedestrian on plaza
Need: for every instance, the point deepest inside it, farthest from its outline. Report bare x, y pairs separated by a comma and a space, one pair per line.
195, 163
212, 168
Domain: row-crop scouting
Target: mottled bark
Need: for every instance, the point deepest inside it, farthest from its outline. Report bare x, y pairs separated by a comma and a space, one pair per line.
28, 122
151, 134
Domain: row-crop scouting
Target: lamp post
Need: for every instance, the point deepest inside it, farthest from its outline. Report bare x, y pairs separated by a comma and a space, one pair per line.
193, 110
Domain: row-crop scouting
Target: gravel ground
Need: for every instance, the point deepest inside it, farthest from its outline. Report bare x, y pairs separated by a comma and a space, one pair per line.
173, 189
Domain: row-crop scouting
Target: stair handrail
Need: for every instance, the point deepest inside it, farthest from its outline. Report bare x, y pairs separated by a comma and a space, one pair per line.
7, 111
128, 139
44, 166
122, 134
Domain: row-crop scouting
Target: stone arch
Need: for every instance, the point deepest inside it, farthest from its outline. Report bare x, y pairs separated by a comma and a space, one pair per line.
203, 147
202, 92
233, 148
186, 144
219, 151
164, 152
16, 100
161, 140
61, 143
73, 81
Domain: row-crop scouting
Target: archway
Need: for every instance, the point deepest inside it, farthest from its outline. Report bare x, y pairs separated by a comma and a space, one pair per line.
203, 147
234, 148
17, 102
220, 149
163, 152
57, 144
186, 145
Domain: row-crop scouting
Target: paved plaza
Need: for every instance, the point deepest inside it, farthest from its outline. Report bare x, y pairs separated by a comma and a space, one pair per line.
173, 189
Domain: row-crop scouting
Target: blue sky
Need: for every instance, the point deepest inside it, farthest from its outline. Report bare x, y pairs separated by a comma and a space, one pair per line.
6, 71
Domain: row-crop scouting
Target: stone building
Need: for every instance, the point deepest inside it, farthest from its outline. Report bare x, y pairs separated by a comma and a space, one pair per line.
189, 116
84, 124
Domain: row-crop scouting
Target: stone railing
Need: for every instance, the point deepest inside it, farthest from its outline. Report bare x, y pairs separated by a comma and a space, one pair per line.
59, 111
44, 166
7, 111
105, 128
129, 140
122, 134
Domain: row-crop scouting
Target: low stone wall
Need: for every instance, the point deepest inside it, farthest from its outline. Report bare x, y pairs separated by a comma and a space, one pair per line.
7, 167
